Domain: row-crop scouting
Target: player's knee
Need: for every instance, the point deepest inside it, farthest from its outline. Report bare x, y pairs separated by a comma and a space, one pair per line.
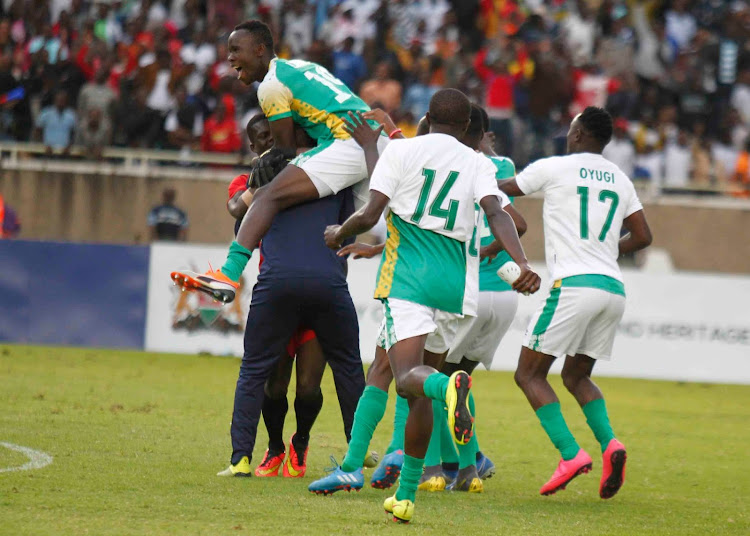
521, 378
401, 387
571, 379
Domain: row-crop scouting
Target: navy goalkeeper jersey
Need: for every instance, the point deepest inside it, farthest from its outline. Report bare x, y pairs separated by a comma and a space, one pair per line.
294, 245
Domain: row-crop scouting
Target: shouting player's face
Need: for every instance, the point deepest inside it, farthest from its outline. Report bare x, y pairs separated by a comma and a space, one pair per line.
247, 56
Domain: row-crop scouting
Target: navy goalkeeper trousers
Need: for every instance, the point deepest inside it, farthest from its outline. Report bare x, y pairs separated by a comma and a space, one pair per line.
278, 308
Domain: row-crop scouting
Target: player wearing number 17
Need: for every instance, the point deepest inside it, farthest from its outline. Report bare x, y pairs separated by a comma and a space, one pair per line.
587, 200
430, 183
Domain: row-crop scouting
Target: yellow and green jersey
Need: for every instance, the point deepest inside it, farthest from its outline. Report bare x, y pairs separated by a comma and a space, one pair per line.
309, 94
488, 278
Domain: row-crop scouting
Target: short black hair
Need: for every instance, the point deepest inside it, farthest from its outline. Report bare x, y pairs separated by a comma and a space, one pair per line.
449, 107
258, 28
598, 123
476, 126
257, 118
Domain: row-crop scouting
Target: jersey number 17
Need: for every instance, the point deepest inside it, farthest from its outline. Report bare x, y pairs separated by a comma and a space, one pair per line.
604, 195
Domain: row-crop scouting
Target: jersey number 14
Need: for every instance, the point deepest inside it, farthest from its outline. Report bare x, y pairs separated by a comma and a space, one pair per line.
436, 208
604, 195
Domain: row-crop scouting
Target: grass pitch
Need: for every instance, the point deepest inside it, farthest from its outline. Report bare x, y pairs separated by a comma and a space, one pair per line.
137, 439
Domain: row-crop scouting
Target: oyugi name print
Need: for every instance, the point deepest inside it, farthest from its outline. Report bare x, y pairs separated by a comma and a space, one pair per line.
597, 174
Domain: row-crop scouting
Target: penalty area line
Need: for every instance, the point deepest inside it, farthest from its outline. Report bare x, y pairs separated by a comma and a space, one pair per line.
37, 458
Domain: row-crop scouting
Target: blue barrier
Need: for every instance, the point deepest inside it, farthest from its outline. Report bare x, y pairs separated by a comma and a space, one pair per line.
73, 294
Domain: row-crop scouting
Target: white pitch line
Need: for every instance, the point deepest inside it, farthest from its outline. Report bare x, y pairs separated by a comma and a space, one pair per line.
37, 458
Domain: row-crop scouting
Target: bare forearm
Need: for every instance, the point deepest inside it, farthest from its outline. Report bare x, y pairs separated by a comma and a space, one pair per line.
630, 244
371, 158
237, 208
237, 205
639, 235
358, 223
506, 236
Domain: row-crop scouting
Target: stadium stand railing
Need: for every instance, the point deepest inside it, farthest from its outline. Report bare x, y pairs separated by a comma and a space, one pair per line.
124, 161
199, 165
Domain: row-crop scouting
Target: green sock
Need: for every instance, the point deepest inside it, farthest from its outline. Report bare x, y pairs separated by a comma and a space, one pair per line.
596, 417
432, 457
435, 386
467, 454
399, 425
370, 411
554, 424
236, 261
411, 472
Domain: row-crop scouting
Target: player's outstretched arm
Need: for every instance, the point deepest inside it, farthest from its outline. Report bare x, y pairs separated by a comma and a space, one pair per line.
365, 136
504, 230
510, 188
496, 247
361, 251
361, 221
639, 236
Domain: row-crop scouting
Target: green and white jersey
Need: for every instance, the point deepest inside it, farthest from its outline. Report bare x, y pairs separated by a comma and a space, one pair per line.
586, 198
488, 278
309, 94
433, 183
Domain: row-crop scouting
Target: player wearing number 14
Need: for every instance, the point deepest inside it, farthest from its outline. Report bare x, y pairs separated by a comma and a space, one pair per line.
587, 200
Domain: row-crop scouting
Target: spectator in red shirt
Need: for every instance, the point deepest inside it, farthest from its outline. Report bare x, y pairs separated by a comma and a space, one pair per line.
591, 88
220, 130
499, 105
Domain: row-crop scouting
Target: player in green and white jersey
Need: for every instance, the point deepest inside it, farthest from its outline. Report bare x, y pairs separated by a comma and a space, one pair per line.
430, 183
291, 92
476, 339
587, 200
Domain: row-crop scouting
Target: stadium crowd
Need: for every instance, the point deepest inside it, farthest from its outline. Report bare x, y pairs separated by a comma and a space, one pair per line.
151, 73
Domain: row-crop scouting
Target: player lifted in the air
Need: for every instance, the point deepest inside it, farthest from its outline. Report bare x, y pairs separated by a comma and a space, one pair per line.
587, 200
291, 92
430, 183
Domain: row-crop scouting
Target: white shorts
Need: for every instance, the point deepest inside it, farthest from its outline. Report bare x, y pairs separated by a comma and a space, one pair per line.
479, 336
576, 320
336, 165
404, 319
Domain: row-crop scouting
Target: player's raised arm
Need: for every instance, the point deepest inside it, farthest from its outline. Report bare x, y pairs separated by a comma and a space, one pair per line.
639, 236
504, 230
365, 136
379, 116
